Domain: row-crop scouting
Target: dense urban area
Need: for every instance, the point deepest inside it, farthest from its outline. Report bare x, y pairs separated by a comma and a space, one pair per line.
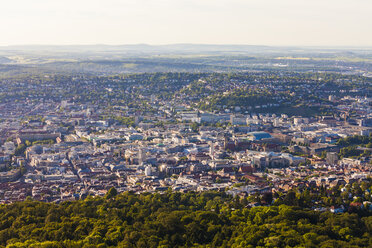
186, 159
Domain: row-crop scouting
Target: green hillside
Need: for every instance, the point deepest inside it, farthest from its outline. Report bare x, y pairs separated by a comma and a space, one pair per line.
208, 219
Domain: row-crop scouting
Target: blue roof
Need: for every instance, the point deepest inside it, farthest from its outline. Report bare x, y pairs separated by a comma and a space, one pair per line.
260, 135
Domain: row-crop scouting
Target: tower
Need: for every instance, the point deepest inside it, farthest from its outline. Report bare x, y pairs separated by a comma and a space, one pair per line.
225, 142
211, 149
141, 156
148, 171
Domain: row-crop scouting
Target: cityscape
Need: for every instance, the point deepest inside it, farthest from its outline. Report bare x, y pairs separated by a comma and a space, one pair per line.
252, 134
176, 124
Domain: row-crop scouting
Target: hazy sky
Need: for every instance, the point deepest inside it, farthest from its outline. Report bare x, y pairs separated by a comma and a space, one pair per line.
251, 22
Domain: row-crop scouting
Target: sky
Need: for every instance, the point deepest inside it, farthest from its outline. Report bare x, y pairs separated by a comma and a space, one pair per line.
249, 22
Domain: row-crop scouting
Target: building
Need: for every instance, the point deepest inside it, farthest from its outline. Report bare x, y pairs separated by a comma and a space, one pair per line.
258, 135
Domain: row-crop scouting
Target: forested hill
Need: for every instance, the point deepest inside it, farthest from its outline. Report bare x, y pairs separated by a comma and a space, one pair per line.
208, 219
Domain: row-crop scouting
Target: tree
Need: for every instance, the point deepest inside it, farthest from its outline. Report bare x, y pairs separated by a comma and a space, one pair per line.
20, 150
195, 127
112, 192
267, 198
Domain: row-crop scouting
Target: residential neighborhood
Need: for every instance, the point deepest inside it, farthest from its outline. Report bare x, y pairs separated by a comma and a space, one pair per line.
56, 150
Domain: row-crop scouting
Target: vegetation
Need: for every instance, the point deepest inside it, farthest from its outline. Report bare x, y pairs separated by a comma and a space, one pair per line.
20, 149
208, 219
350, 146
356, 140
127, 121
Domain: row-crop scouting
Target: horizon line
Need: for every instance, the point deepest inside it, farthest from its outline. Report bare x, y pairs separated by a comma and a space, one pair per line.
191, 44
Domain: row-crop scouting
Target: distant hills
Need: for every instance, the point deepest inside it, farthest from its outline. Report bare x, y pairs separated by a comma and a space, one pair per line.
137, 58
176, 48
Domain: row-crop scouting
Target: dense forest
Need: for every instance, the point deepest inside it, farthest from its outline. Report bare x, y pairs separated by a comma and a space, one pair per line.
209, 219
